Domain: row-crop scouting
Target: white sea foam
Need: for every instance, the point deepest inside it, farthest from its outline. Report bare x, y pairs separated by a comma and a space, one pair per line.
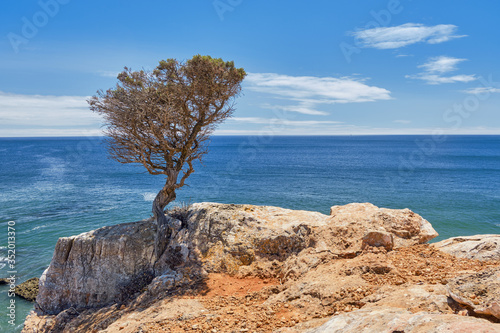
3, 262
38, 227
149, 196
107, 208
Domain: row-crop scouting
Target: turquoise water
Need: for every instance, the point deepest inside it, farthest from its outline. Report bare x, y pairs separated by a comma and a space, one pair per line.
60, 187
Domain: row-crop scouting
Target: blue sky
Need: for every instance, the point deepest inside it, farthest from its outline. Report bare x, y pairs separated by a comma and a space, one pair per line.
322, 67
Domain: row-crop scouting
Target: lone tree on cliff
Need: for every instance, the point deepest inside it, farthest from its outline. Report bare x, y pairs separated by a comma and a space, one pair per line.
163, 119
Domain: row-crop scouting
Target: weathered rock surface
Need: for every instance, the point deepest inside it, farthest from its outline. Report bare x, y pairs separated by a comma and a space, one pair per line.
113, 320
479, 291
393, 320
323, 265
415, 298
28, 289
407, 227
98, 267
223, 238
481, 247
378, 239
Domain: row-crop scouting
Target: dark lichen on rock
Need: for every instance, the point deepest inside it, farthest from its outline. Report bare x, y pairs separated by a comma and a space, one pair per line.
28, 289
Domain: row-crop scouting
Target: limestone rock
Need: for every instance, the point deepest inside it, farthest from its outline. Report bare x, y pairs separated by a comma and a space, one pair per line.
28, 289
113, 319
481, 247
378, 239
314, 265
107, 265
98, 267
391, 320
416, 298
479, 291
354, 221
225, 237
180, 309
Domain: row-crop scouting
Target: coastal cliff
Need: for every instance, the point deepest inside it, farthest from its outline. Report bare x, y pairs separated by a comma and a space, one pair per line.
247, 268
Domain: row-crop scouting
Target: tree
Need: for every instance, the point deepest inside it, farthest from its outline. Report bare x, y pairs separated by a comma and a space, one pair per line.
163, 119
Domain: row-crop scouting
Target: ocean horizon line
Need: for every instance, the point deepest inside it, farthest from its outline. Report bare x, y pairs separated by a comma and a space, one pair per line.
256, 135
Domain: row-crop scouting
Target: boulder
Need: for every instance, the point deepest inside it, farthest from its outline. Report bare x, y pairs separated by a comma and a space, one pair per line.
479, 291
378, 239
28, 289
480, 247
98, 267
354, 221
394, 320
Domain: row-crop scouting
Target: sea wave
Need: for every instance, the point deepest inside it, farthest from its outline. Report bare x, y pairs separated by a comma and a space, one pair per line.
107, 208
36, 228
149, 196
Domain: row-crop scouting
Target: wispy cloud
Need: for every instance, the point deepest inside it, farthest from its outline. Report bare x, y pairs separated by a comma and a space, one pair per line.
111, 74
39, 111
436, 79
303, 108
49, 132
441, 64
310, 91
361, 130
436, 66
406, 34
482, 90
277, 121
401, 121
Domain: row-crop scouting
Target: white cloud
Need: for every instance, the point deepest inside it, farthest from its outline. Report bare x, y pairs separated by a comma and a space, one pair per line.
111, 74
436, 79
22, 112
441, 64
316, 89
360, 130
285, 122
49, 132
406, 34
436, 66
303, 108
401, 121
482, 90
309, 91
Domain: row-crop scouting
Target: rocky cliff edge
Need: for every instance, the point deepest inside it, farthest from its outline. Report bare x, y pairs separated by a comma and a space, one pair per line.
247, 268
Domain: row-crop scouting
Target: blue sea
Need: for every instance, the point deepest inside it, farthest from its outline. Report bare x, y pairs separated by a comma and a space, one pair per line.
55, 187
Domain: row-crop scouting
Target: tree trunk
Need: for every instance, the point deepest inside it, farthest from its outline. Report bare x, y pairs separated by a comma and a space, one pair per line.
163, 231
